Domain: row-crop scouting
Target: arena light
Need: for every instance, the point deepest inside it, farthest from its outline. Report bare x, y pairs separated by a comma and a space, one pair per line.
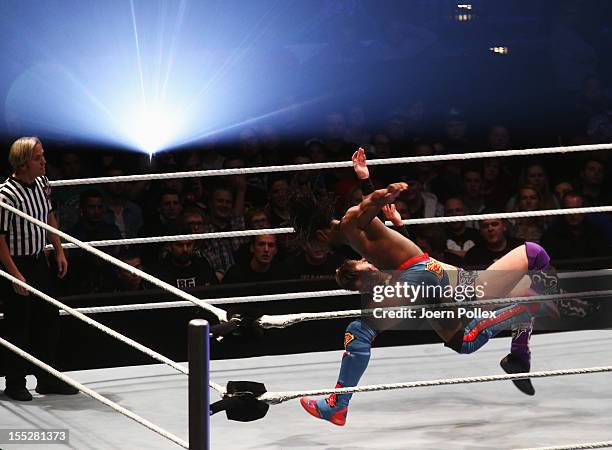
463, 12
499, 50
147, 75
152, 129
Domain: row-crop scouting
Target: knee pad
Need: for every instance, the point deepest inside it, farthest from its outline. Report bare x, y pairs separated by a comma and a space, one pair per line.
537, 258
358, 337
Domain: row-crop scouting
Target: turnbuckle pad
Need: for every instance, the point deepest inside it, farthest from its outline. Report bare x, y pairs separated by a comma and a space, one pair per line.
240, 322
241, 403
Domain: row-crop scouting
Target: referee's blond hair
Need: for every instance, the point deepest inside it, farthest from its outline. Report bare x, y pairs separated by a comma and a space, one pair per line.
22, 150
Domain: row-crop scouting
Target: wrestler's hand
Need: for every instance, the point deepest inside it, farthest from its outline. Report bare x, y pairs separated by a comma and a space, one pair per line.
393, 191
359, 164
391, 214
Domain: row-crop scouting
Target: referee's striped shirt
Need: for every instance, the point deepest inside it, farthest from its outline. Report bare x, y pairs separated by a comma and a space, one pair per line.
22, 236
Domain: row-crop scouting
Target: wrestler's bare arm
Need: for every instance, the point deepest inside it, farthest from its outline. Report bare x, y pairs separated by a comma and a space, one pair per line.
371, 205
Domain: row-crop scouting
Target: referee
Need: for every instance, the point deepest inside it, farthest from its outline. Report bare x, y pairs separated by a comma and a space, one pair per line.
30, 323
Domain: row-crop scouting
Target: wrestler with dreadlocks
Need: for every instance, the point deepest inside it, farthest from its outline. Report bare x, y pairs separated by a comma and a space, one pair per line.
384, 249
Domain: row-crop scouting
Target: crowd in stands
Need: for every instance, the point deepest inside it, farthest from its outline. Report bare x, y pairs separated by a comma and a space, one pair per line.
238, 202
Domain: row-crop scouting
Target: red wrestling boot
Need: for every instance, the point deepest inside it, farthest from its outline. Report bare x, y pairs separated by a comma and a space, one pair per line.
329, 408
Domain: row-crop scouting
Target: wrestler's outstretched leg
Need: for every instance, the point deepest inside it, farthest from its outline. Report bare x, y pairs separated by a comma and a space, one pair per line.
519, 358
357, 345
503, 275
530, 257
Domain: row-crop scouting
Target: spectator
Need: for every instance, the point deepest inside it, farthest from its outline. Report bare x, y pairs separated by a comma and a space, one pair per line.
495, 184
226, 214
195, 195
498, 138
256, 219
90, 273
181, 268
572, 236
455, 134
190, 161
417, 119
66, 198
278, 203
336, 145
353, 197
381, 148
473, 200
420, 204
306, 182
430, 239
90, 226
561, 189
261, 266
356, 131
439, 178
211, 159
250, 150
528, 228
126, 281
592, 183
119, 211
494, 244
427, 172
535, 175
270, 144
459, 237
255, 184
316, 150
314, 262
169, 209
193, 220
395, 127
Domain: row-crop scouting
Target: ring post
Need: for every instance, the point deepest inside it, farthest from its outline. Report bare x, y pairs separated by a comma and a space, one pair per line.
199, 395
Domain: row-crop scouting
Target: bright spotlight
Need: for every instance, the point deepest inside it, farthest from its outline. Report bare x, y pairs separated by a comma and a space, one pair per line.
152, 129
147, 75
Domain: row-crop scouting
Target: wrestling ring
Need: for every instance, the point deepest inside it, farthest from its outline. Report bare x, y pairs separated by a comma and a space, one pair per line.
567, 413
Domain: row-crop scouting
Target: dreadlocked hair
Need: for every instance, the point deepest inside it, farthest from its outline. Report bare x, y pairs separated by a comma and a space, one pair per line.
311, 213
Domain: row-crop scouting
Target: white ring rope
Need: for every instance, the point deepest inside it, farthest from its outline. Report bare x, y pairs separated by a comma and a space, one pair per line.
333, 165
275, 398
508, 215
278, 297
109, 331
218, 312
183, 237
285, 320
218, 301
585, 274
288, 230
93, 394
585, 446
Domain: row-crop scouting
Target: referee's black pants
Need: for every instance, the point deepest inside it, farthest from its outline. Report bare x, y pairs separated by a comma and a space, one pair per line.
30, 323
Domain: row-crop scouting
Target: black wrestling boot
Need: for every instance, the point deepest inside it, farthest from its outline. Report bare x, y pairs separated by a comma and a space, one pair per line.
55, 387
512, 364
18, 394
